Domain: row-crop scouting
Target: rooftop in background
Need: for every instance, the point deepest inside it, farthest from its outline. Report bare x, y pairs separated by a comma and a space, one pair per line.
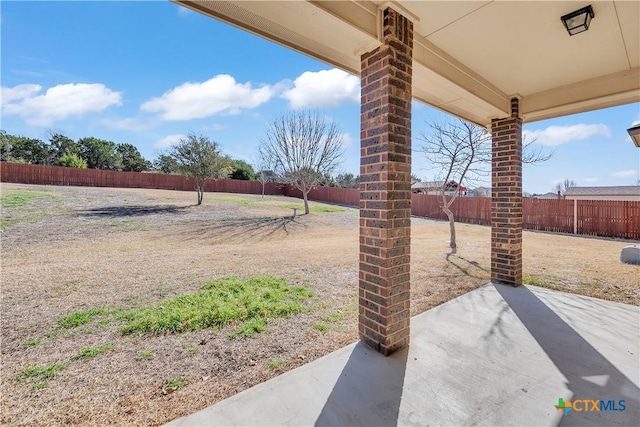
549, 195
633, 190
628, 192
469, 58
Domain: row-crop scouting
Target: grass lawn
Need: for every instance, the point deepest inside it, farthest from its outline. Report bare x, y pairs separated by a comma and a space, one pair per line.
133, 306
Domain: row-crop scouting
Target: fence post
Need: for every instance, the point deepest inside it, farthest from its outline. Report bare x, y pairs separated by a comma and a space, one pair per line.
575, 216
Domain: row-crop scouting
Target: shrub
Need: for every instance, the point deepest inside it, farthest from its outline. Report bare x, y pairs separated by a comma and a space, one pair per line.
72, 160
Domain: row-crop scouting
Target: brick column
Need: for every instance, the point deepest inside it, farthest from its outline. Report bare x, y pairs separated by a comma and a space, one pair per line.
506, 198
385, 187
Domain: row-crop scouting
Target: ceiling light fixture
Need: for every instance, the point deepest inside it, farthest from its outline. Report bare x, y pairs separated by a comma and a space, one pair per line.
578, 21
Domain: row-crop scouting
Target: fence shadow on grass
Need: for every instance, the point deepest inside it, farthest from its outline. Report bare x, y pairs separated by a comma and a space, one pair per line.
133, 210
239, 230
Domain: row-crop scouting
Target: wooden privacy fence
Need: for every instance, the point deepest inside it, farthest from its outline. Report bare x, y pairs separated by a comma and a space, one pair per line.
58, 175
338, 196
608, 218
605, 218
472, 210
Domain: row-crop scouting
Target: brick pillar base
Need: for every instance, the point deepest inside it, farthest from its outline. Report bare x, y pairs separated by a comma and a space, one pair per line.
506, 198
385, 188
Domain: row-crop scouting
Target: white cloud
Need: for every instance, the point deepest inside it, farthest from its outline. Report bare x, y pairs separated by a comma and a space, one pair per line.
130, 124
19, 92
199, 100
168, 141
58, 102
591, 179
347, 140
625, 174
557, 135
326, 88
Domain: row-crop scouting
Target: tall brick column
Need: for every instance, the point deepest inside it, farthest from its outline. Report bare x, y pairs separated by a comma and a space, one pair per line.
506, 198
385, 187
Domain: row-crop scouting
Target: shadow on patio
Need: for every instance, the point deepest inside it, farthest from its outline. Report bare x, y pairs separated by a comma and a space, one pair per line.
590, 375
368, 391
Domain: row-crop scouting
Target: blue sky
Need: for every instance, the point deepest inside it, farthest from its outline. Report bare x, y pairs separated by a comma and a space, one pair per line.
147, 73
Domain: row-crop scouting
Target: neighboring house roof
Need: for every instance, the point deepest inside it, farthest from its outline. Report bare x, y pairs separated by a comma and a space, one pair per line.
631, 190
549, 195
427, 184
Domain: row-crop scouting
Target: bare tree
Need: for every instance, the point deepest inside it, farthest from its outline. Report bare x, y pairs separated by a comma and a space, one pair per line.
562, 186
264, 169
198, 157
303, 146
460, 152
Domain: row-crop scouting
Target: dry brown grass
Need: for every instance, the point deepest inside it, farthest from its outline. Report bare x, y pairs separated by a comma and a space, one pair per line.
93, 247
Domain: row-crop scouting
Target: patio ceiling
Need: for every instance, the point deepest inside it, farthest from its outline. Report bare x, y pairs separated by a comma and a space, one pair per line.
470, 57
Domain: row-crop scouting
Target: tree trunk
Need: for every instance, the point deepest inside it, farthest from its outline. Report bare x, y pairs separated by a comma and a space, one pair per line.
306, 202
452, 229
452, 222
263, 190
200, 194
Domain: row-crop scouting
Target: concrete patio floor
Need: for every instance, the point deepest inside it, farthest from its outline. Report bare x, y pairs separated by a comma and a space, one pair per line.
495, 356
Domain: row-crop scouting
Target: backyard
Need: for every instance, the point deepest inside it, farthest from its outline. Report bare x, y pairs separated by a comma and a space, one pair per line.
108, 294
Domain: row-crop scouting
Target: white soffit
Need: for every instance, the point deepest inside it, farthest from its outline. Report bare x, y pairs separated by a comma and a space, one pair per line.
470, 57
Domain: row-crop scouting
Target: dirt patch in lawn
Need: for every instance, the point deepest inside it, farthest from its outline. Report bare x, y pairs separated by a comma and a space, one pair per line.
75, 259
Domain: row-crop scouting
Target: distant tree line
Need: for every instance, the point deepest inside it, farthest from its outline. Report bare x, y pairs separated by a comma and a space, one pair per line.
95, 153
60, 150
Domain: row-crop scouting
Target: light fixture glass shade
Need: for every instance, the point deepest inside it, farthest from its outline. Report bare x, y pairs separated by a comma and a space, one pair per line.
578, 21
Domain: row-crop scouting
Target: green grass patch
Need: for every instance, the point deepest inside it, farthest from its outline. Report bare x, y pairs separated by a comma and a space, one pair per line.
42, 372
320, 326
21, 201
238, 200
249, 328
145, 354
313, 208
32, 342
530, 280
173, 384
191, 349
19, 198
80, 317
334, 317
89, 352
219, 303
274, 364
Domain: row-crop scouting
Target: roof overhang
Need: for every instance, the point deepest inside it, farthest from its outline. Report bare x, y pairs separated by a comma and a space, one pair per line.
634, 133
470, 57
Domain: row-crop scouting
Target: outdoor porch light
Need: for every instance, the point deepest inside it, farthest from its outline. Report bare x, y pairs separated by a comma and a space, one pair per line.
634, 133
578, 21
